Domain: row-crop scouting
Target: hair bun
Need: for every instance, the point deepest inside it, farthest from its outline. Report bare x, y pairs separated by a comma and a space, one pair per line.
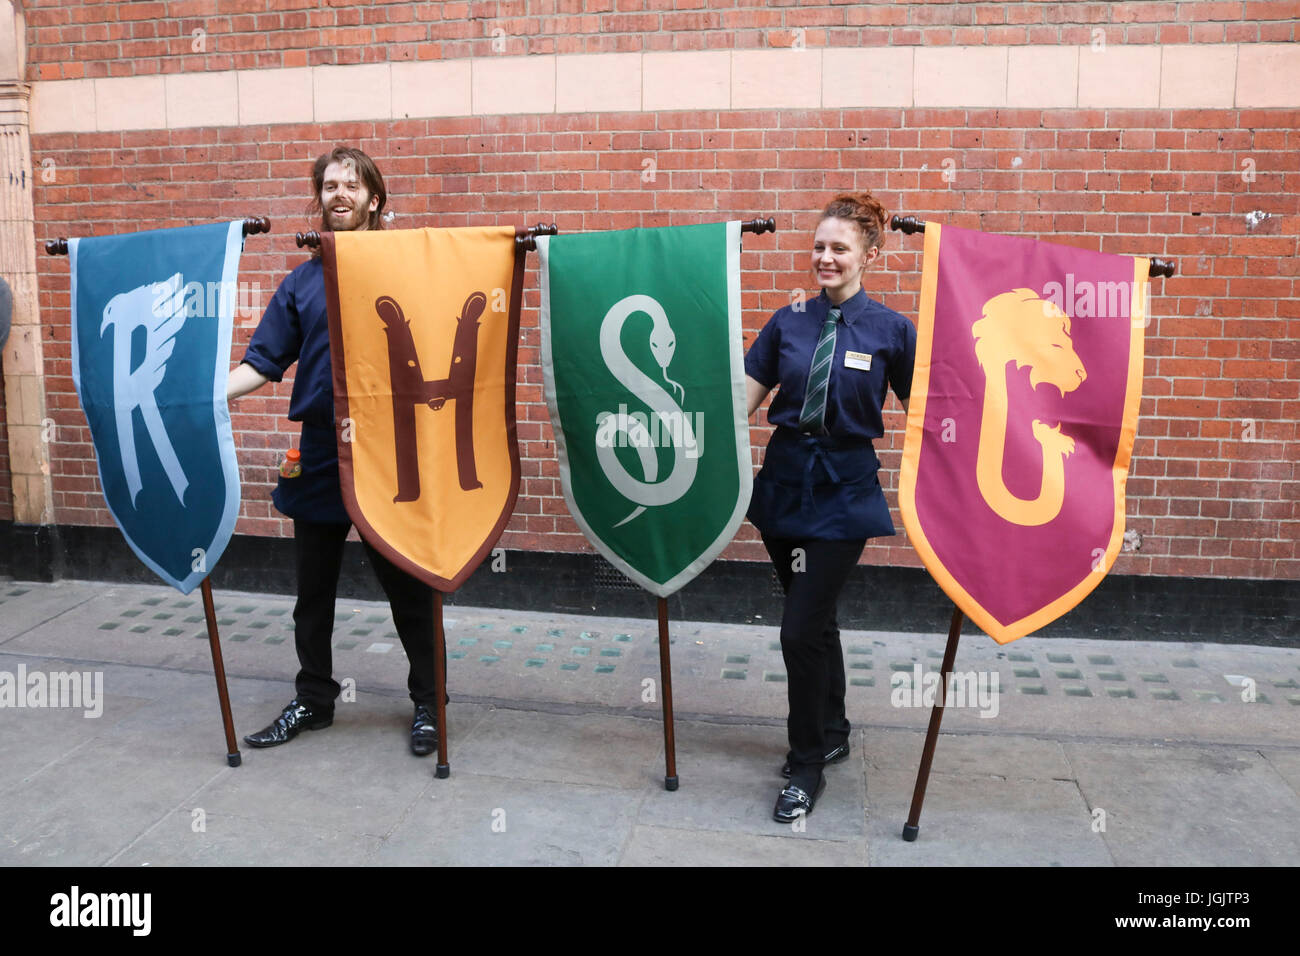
863, 209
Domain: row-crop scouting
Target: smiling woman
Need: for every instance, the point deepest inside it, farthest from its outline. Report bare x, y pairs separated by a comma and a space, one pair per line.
817, 499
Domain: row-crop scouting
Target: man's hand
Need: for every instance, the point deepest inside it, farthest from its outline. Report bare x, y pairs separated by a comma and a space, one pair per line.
755, 392
242, 380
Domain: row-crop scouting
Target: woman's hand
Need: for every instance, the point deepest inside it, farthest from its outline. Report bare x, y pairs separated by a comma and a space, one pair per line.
754, 395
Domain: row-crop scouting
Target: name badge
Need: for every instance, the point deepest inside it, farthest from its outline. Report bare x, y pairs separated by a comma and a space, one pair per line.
858, 360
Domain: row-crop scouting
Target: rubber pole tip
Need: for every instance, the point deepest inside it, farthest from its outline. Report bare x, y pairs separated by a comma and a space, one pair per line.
234, 759
670, 783
442, 771
911, 832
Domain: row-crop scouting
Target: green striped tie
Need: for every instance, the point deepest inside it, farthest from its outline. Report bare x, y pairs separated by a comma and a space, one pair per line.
812, 419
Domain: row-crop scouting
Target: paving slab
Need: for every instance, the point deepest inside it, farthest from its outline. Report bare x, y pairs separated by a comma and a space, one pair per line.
357, 775
589, 749
84, 807
976, 754
24, 605
479, 820
1188, 806
981, 821
32, 739
668, 846
183, 838
1287, 765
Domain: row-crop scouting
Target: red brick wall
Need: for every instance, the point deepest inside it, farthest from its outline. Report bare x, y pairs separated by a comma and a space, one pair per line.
1222, 347
69, 39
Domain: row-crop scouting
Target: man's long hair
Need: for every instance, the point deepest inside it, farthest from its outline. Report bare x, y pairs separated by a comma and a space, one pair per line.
370, 178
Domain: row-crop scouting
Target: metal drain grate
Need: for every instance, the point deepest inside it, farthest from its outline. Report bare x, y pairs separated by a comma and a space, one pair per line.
610, 578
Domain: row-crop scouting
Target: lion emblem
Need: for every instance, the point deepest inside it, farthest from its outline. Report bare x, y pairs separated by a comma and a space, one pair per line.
1022, 327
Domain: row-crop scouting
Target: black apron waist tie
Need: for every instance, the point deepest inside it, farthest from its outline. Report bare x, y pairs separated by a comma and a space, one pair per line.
818, 456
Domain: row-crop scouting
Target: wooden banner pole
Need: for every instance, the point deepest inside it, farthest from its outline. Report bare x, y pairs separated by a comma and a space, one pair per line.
1158, 267
219, 670
443, 769
666, 683
912, 828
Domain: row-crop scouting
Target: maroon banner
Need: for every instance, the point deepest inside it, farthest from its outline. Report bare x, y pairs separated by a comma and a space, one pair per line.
1021, 421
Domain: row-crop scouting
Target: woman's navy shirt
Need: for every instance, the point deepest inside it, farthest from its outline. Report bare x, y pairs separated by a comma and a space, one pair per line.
295, 328
782, 355
826, 487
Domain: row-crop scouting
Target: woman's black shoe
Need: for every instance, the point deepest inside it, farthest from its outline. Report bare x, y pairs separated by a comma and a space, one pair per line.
292, 720
794, 802
424, 732
835, 756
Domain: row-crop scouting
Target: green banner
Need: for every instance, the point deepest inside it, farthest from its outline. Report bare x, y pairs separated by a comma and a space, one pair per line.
645, 382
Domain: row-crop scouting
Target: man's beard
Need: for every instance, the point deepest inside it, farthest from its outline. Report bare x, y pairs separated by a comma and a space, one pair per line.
356, 218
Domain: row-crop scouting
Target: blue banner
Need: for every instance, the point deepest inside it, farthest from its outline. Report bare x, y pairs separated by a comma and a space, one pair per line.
152, 314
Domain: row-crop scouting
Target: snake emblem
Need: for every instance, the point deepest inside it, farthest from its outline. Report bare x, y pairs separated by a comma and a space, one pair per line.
667, 411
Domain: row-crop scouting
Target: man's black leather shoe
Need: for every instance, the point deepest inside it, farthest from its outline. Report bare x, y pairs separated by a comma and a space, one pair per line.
835, 756
794, 802
424, 732
292, 720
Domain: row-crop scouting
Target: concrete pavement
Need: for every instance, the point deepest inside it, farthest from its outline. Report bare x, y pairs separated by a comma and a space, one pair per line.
1088, 753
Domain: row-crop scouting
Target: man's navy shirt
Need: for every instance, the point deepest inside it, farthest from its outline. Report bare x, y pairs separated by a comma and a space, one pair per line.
295, 327
782, 355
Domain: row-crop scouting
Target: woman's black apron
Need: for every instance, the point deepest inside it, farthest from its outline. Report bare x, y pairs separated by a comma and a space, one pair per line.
819, 488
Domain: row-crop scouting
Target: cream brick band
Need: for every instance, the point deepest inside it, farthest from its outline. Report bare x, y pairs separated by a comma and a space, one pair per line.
1194, 76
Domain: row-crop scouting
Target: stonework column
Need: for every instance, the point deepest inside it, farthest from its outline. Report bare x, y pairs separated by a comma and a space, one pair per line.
23, 365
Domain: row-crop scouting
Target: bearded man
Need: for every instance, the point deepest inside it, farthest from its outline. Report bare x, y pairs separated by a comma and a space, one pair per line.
348, 192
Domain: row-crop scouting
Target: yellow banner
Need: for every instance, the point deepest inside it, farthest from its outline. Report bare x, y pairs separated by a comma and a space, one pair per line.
424, 328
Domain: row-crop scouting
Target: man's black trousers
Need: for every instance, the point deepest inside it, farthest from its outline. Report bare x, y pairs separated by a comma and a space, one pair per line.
319, 550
